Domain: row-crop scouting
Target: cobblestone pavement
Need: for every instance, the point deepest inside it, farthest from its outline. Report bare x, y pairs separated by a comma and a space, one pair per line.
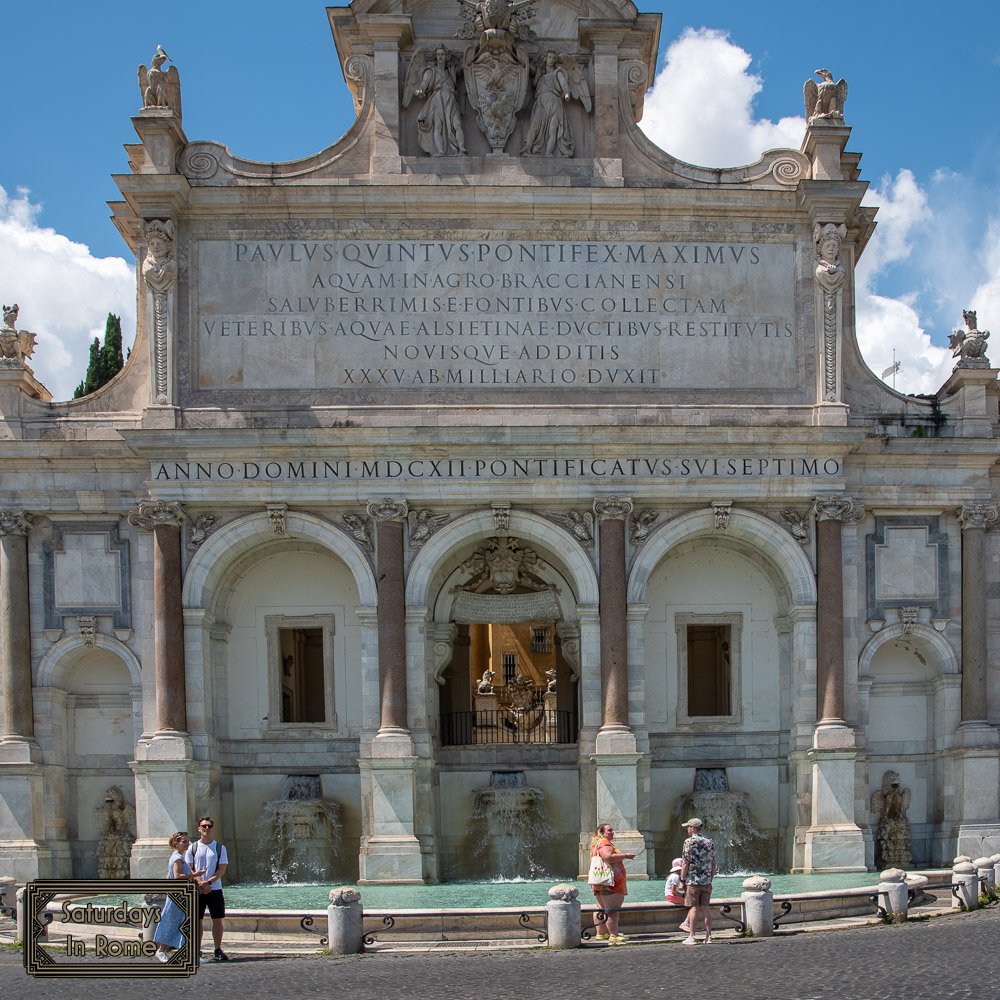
942, 958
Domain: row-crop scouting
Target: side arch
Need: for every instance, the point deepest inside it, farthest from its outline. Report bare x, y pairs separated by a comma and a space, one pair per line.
753, 530
919, 634
52, 669
222, 548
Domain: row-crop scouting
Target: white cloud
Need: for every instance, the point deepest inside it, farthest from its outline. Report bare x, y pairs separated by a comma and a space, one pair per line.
64, 292
700, 107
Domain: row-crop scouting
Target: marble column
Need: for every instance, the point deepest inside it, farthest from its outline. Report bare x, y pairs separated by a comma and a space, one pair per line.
833, 841
616, 757
16, 720
389, 517
976, 771
164, 767
390, 850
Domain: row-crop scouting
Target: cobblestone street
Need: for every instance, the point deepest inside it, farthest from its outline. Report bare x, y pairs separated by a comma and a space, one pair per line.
948, 957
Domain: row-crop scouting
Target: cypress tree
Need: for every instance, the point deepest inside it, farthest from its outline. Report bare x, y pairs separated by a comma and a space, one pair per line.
105, 361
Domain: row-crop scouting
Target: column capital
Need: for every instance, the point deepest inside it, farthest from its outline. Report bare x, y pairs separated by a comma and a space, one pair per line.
977, 515
835, 507
14, 522
612, 508
154, 513
387, 509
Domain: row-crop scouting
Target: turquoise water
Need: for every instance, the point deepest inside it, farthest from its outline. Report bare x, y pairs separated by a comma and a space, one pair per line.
474, 895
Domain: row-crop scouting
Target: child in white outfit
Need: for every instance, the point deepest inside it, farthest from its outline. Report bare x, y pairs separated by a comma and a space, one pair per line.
674, 889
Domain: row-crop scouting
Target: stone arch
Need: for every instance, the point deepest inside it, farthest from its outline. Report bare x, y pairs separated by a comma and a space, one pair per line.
920, 634
225, 546
747, 528
51, 671
481, 524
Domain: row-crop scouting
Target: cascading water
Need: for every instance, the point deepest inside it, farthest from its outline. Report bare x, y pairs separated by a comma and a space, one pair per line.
300, 834
730, 822
508, 832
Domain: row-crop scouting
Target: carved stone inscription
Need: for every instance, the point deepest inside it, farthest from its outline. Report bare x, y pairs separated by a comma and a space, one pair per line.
495, 315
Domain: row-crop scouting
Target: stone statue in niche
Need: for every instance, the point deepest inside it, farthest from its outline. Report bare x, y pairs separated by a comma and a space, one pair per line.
892, 837
825, 100
558, 80
114, 843
160, 88
15, 345
969, 345
434, 75
496, 68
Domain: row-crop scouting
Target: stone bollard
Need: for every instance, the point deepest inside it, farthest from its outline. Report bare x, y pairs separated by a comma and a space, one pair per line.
345, 922
562, 917
22, 916
8, 894
758, 905
155, 901
996, 869
894, 894
966, 897
987, 878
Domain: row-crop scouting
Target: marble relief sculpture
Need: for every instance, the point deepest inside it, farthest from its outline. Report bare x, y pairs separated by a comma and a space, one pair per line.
825, 100
831, 273
117, 834
160, 88
15, 345
434, 76
558, 80
969, 345
496, 68
892, 837
160, 271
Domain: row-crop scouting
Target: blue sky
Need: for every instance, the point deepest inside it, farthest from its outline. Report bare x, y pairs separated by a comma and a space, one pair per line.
265, 80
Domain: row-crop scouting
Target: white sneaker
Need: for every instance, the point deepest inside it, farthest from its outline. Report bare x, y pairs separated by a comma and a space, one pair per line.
689, 940
162, 956
708, 939
686, 927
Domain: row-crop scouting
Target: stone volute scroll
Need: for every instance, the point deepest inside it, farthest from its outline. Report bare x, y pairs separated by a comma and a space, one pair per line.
969, 345
825, 100
496, 67
433, 77
159, 270
160, 88
558, 79
831, 275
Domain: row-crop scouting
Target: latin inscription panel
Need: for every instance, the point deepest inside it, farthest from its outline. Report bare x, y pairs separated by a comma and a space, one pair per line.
479, 316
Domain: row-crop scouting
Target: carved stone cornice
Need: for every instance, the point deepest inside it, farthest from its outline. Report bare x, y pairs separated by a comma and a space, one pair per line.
977, 515
154, 513
838, 508
14, 522
388, 509
612, 508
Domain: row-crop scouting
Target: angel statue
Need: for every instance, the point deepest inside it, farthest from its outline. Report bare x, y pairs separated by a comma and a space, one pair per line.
439, 124
825, 100
160, 88
558, 79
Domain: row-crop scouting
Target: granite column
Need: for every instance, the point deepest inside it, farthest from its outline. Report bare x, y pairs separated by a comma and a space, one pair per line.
16, 719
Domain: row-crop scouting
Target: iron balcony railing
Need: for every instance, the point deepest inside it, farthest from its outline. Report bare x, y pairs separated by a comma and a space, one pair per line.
507, 725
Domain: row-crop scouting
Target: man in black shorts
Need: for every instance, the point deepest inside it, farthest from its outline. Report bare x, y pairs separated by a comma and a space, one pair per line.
208, 854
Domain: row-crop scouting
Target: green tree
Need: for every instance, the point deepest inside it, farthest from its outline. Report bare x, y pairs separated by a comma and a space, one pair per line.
105, 361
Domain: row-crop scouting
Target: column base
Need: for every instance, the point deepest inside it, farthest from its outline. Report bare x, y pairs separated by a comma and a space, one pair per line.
391, 859
834, 848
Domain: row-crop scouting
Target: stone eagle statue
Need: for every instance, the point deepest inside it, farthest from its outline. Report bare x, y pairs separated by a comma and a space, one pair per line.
160, 88
15, 345
825, 99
